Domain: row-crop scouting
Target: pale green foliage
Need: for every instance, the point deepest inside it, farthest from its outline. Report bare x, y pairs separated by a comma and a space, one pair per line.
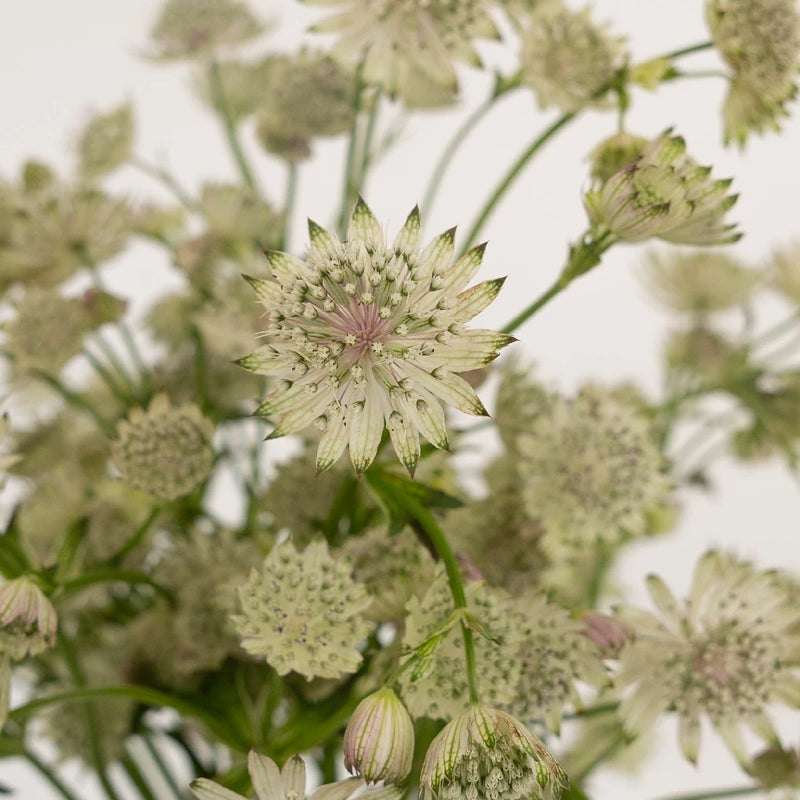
106, 142
567, 59
726, 653
195, 28
442, 691
364, 336
393, 568
164, 451
485, 753
303, 612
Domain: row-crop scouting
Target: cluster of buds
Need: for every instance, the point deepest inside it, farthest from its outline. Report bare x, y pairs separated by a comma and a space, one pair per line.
664, 194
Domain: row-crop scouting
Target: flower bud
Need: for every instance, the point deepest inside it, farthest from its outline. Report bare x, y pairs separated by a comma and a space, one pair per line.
28, 621
379, 739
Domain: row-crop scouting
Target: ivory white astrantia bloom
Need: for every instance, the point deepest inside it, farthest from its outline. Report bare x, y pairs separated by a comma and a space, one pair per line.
362, 335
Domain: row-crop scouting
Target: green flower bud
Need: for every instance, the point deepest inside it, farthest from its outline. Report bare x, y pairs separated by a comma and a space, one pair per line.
379, 739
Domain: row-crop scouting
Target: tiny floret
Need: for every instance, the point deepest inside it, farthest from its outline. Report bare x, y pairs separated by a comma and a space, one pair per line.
363, 336
485, 754
379, 739
663, 194
302, 612
164, 451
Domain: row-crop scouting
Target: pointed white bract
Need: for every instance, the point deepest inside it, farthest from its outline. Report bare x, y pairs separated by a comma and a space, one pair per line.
363, 336
726, 653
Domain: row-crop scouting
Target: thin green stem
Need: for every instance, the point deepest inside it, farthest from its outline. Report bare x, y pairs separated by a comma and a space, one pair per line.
736, 791
121, 393
125, 332
288, 205
90, 720
136, 538
365, 159
74, 399
221, 104
512, 174
686, 51
445, 552
348, 191
540, 302
112, 574
165, 771
167, 179
49, 775
452, 147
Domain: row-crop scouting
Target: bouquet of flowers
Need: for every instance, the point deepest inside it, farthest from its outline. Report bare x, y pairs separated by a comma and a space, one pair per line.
191, 611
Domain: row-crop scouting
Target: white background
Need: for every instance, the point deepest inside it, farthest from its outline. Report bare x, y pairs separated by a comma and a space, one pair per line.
60, 61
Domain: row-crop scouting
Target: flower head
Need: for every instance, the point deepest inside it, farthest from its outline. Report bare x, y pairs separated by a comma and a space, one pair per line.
164, 451
663, 194
487, 754
566, 58
303, 612
726, 653
615, 153
591, 470
271, 783
28, 621
379, 739
699, 282
760, 40
364, 336
405, 41
106, 142
195, 28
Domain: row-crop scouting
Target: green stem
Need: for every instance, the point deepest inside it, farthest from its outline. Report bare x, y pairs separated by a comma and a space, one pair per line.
348, 193
142, 694
125, 332
450, 149
136, 776
164, 177
90, 720
366, 145
445, 552
736, 791
288, 206
50, 776
111, 574
124, 396
512, 174
221, 103
592, 711
583, 257
165, 771
136, 538
74, 399
686, 51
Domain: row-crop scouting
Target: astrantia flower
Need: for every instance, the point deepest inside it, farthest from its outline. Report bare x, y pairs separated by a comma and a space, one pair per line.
28, 621
726, 653
364, 336
401, 41
760, 40
590, 470
195, 28
484, 754
271, 783
566, 58
615, 153
164, 451
303, 612
699, 282
663, 194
